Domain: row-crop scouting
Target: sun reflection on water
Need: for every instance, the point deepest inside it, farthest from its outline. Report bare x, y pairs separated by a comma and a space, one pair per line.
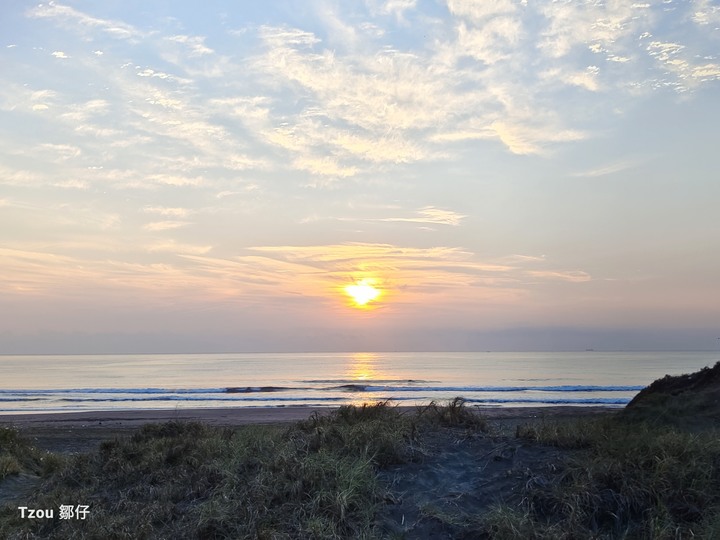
363, 368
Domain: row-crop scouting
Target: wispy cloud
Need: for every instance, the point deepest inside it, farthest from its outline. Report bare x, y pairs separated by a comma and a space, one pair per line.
166, 211
427, 215
165, 225
195, 44
431, 215
410, 115
178, 248
605, 170
69, 15
411, 273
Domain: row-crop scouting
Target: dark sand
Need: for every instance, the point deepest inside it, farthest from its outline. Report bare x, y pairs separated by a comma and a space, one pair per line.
82, 431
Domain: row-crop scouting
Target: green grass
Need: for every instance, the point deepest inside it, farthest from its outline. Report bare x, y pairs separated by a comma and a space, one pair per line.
628, 480
18, 455
454, 414
316, 479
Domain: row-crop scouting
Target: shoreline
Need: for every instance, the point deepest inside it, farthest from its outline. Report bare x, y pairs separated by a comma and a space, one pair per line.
255, 415
80, 432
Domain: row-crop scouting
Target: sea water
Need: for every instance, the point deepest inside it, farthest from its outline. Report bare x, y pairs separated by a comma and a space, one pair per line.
176, 381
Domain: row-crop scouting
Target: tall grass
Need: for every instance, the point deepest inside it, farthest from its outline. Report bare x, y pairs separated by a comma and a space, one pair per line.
630, 480
18, 455
454, 414
316, 479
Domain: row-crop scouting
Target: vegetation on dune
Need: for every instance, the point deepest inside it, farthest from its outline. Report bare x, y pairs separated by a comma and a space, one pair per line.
652, 471
19, 456
628, 481
690, 401
454, 414
315, 479
623, 478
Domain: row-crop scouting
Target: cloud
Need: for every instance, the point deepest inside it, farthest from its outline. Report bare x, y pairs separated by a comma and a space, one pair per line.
171, 246
705, 12
433, 94
481, 11
673, 57
20, 177
70, 16
579, 24
429, 215
195, 44
60, 54
174, 180
409, 275
426, 215
607, 169
398, 7
324, 166
574, 277
587, 78
62, 152
73, 184
528, 139
165, 225
166, 211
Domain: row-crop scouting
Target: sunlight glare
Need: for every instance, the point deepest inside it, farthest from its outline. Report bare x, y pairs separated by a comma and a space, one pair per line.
362, 292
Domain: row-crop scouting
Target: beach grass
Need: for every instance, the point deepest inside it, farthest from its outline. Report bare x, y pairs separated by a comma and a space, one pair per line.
320, 478
627, 480
19, 456
315, 479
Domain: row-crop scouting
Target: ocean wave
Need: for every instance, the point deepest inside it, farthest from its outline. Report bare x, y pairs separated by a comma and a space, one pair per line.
357, 381
192, 398
371, 387
46, 391
329, 400
462, 389
555, 401
251, 389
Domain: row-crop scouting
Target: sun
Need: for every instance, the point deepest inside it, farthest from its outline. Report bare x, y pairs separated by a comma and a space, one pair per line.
362, 292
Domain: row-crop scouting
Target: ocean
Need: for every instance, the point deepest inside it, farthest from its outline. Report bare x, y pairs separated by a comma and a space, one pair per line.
175, 381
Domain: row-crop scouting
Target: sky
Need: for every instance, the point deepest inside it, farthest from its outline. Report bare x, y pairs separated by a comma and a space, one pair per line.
208, 177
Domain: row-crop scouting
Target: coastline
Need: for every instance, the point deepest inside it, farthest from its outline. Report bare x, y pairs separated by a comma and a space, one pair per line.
74, 432
255, 415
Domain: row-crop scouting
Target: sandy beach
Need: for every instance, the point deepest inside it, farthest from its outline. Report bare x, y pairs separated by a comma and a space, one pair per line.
82, 431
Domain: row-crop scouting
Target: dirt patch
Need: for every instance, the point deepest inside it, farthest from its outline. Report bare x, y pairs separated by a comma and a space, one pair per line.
457, 478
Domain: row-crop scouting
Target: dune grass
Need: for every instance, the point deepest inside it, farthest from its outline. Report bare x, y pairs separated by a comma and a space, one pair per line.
316, 479
18, 455
628, 480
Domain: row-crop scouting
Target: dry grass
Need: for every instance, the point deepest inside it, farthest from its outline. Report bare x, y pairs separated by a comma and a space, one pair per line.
316, 479
629, 480
18, 455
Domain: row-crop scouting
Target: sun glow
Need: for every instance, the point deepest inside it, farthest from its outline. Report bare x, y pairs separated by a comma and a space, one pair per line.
362, 292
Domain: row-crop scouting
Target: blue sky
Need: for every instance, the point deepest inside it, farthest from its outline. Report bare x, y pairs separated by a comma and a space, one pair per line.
178, 176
